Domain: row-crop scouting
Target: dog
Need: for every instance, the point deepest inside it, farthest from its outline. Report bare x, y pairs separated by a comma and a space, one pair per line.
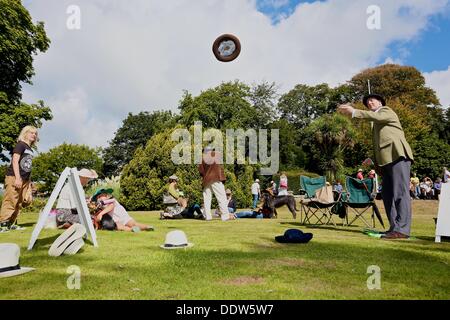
274, 202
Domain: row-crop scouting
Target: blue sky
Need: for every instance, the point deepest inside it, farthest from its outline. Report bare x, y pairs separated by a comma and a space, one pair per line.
140, 55
429, 52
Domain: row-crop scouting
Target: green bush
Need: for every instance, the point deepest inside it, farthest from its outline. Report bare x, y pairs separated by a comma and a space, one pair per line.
144, 179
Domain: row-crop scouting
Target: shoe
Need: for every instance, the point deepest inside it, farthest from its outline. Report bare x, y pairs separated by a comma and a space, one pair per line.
16, 227
393, 235
228, 217
149, 228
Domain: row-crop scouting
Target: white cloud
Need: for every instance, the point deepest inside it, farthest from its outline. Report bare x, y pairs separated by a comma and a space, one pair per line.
131, 56
440, 82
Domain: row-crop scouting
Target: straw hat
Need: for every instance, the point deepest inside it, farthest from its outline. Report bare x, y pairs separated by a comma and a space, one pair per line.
87, 173
9, 261
176, 240
70, 240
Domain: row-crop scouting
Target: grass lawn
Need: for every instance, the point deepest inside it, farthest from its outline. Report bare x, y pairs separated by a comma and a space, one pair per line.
237, 260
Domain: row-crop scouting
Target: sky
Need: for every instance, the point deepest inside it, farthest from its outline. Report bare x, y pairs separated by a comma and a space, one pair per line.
132, 56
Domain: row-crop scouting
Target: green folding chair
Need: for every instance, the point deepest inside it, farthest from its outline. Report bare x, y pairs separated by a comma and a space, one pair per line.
359, 200
311, 207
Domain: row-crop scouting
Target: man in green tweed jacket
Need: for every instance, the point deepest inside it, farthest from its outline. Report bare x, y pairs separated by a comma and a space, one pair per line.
393, 157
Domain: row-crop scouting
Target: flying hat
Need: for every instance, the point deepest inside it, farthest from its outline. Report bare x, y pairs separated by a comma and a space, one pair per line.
376, 96
87, 173
226, 48
69, 240
176, 239
101, 191
9, 261
294, 236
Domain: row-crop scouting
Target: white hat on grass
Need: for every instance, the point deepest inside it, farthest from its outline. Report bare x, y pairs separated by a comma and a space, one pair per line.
68, 241
176, 240
9, 261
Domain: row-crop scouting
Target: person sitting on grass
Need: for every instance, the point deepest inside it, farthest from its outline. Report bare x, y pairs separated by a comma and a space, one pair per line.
177, 204
118, 213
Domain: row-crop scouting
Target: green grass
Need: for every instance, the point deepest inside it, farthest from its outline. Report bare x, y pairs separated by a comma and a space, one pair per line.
237, 260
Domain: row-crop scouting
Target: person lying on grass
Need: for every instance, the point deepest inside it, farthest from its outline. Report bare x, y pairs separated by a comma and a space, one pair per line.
120, 216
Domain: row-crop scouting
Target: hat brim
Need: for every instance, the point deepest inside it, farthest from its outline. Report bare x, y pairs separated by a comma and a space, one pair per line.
74, 247
17, 272
76, 231
189, 245
376, 96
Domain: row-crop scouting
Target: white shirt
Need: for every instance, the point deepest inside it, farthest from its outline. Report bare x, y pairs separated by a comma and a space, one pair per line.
65, 200
255, 188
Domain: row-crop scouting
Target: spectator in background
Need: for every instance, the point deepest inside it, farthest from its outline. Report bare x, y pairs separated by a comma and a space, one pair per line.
256, 193
283, 190
274, 188
338, 186
371, 174
437, 188
360, 175
231, 201
415, 184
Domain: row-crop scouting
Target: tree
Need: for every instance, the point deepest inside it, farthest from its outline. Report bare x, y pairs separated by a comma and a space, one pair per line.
144, 178
136, 130
395, 81
304, 103
263, 97
329, 137
20, 39
430, 156
227, 106
48, 166
14, 119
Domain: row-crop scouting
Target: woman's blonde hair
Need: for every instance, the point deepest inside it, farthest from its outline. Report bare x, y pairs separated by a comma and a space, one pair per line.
24, 131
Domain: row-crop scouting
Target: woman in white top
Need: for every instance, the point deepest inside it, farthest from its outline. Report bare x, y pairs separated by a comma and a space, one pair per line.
118, 213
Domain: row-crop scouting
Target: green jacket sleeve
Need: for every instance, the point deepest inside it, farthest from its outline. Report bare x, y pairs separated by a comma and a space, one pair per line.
384, 115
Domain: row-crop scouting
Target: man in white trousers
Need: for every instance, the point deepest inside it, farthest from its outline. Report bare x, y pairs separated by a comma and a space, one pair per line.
213, 178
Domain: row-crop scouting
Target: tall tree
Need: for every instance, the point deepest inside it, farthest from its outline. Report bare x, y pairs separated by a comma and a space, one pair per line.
304, 103
13, 119
225, 106
136, 130
20, 40
328, 138
48, 166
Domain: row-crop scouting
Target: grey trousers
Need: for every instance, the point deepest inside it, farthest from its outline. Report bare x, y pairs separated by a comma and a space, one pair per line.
396, 197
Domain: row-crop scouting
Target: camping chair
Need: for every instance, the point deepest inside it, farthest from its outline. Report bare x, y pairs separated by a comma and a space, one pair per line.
360, 200
319, 200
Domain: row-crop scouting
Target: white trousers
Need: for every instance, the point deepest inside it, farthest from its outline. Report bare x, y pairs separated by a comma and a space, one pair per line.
219, 191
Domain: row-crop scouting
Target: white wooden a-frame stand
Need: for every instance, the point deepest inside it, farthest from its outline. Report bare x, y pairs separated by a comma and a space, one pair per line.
78, 194
443, 220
